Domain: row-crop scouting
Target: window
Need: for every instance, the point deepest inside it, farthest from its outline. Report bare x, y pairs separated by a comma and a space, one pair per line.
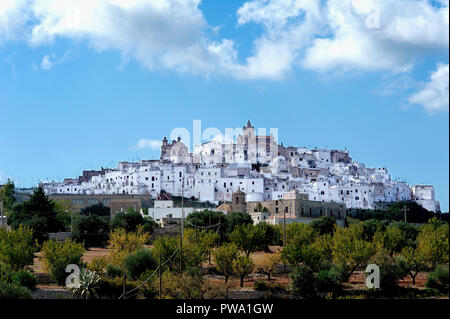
286, 209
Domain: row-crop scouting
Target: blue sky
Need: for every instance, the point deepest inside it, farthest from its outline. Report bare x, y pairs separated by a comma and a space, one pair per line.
79, 95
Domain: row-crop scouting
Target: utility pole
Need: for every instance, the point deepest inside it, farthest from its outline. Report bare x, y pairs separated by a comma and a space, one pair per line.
220, 226
182, 225
284, 234
71, 222
404, 212
160, 279
1, 210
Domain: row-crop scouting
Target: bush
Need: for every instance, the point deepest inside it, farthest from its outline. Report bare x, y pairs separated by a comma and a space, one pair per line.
17, 247
113, 288
260, 285
329, 281
439, 279
113, 271
25, 279
303, 282
137, 263
10, 291
98, 264
58, 255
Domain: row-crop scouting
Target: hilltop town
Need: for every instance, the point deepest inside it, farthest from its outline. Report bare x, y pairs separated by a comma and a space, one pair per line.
255, 165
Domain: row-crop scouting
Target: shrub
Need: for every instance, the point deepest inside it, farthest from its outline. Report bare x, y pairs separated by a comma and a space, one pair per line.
113, 288
329, 281
439, 279
123, 243
13, 291
89, 281
260, 285
58, 255
98, 264
17, 247
113, 271
6, 272
303, 282
137, 263
25, 279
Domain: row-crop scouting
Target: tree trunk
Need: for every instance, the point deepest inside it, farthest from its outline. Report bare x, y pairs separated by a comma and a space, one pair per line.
242, 281
268, 276
413, 279
226, 278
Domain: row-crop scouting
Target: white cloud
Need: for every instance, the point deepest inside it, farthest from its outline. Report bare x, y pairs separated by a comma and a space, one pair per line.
344, 34
159, 34
46, 64
323, 35
434, 96
50, 60
145, 143
13, 16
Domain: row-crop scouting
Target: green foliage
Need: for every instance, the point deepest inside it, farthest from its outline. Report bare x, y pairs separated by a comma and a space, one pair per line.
7, 195
243, 266
350, 247
392, 239
391, 271
439, 279
410, 232
165, 247
248, 238
224, 257
123, 243
98, 264
433, 242
92, 230
235, 219
412, 261
330, 281
25, 279
113, 271
64, 213
130, 220
138, 262
303, 282
324, 225
9, 291
371, 226
38, 213
97, 209
89, 283
299, 234
305, 247
17, 247
415, 213
58, 255
113, 287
